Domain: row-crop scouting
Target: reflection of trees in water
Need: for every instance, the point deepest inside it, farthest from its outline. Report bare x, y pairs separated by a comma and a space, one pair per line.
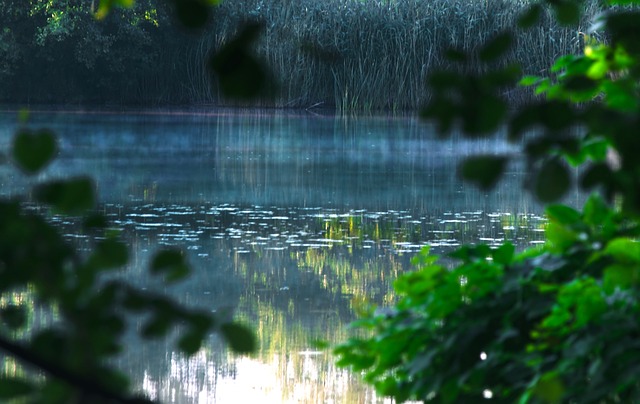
294, 274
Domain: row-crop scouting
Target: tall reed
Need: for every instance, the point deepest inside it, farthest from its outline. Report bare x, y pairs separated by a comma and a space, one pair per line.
376, 54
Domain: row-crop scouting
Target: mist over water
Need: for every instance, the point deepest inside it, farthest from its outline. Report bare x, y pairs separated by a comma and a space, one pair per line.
289, 222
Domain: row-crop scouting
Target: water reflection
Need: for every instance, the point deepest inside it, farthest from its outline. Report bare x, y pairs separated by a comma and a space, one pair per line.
289, 222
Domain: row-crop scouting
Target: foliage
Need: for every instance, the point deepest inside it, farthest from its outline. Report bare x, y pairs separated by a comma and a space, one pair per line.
86, 307
344, 54
555, 324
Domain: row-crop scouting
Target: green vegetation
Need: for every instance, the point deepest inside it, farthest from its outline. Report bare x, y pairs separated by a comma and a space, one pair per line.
345, 54
550, 325
84, 306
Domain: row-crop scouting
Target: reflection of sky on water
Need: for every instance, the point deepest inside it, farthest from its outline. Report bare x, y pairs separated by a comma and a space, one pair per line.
290, 221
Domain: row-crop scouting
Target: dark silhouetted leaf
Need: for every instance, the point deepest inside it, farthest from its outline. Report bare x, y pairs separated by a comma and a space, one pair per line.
171, 263
71, 196
485, 117
190, 343
530, 17
523, 120
240, 338
443, 112
597, 175
14, 387
552, 181
192, 13
484, 171
33, 151
240, 74
496, 47
158, 326
95, 221
109, 254
624, 28
567, 11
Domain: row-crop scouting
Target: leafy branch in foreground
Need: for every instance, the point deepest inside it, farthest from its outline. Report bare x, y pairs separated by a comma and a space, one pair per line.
557, 324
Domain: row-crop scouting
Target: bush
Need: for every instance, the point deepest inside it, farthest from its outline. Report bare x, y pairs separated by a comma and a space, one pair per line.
555, 324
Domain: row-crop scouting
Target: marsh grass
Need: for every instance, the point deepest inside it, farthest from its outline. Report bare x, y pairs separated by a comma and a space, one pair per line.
365, 55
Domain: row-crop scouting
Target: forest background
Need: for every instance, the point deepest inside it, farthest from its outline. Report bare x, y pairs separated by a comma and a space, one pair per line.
344, 54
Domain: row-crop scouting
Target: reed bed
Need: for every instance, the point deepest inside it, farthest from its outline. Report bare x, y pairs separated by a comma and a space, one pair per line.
364, 55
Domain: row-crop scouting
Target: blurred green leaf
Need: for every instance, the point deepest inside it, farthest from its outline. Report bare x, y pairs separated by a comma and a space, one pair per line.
240, 74
550, 388
484, 171
552, 181
95, 221
496, 47
563, 214
504, 254
530, 16
190, 343
567, 11
73, 196
485, 117
33, 151
109, 254
12, 387
240, 338
624, 250
192, 13
170, 263
159, 325
620, 276
529, 80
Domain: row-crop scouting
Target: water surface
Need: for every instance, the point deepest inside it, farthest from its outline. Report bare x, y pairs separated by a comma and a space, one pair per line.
290, 221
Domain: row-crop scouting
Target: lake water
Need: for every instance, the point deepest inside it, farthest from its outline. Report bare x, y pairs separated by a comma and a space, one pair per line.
289, 221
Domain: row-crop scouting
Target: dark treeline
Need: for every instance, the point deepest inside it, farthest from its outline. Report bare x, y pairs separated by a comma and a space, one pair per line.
344, 54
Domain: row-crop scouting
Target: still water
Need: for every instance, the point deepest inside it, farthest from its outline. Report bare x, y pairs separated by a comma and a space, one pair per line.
289, 222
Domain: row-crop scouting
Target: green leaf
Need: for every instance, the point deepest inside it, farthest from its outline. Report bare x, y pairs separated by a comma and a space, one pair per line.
620, 276
240, 338
563, 214
158, 326
484, 171
530, 17
71, 196
240, 74
171, 263
567, 11
485, 118
95, 221
109, 254
192, 13
33, 151
14, 387
504, 254
552, 181
496, 47
190, 342
624, 250
529, 81
550, 388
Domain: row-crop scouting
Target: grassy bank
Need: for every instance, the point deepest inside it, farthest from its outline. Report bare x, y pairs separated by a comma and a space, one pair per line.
350, 55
